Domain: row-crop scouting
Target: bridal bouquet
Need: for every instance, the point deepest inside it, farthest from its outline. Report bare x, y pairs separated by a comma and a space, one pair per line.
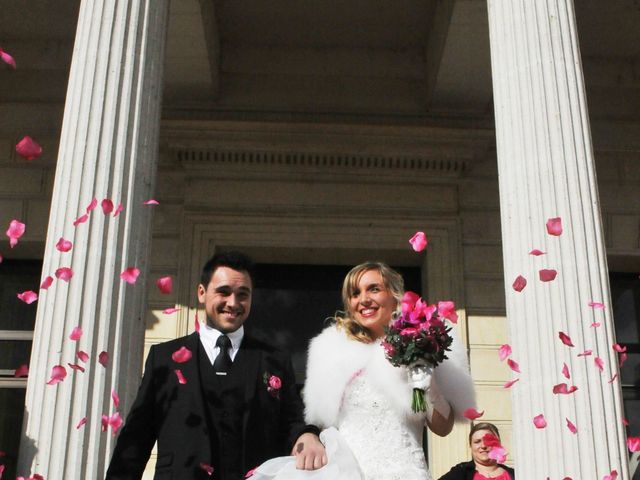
419, 339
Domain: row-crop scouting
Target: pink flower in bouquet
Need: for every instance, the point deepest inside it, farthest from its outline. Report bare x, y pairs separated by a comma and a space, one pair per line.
448, 310
409, 331
389, 349
408, 302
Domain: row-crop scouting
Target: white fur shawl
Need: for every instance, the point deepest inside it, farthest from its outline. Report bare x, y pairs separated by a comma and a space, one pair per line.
334, 359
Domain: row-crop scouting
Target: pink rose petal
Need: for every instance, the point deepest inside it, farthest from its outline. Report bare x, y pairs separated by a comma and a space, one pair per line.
82, 422
83, 356
625, 422
183, 354
46, 283
207, 468
565, 371
165, 285
15, 231
28, 149
504, 352
64, 273
117, 210
76, 333
103, 359
539, 421
623, 358
572, 428
513, 365
472, 413
519, 283
21, 371
116, 398
181, 379
612, 476
490, 440
599, 363
535, 252
92, 205
75, 366
447, 309
634, 444
115, 422
564, 389
547, 275
554, 226
613, 379
169, 311
130, 275
63, 245
8, 59
151, 202
595, 324
499, 454
58, 374
619, 348
564, 338
80, 219
418, 241
510, 383
250, 472
586, 353
107, 206
28, 296
596, 305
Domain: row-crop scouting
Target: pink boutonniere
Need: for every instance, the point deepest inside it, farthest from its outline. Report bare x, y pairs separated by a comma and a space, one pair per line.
273, 383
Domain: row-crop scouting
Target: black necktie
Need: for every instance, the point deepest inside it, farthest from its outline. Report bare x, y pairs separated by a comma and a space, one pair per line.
222, 363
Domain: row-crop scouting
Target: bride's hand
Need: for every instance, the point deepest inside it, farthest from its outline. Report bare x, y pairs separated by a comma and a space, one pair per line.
309, 452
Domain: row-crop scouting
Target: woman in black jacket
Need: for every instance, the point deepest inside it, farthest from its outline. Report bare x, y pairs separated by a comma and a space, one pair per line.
481, 467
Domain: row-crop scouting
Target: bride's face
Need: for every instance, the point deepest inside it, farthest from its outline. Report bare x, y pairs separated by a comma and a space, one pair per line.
371, 303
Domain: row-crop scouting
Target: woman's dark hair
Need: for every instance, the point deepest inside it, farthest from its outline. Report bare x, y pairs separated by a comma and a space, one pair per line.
232, 259
484, 426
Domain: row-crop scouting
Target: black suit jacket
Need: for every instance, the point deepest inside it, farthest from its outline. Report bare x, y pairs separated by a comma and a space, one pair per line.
175, 415
466, 470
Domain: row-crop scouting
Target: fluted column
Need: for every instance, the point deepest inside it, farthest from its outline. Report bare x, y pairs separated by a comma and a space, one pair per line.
108, 149
546, 170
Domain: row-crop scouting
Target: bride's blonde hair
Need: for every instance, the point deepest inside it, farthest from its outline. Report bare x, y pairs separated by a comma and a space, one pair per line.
392, 281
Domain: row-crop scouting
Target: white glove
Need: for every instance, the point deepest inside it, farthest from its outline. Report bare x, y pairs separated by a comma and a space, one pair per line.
436, 401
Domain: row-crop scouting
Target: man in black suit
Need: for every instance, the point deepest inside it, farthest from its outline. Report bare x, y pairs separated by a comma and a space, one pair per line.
218, 402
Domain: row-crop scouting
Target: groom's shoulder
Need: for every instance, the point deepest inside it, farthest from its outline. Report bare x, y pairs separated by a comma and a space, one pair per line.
172, 345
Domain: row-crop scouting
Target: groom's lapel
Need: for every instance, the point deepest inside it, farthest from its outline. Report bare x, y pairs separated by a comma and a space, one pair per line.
249, 360
191, 372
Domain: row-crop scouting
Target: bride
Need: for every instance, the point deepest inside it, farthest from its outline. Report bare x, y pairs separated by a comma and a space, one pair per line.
362, 402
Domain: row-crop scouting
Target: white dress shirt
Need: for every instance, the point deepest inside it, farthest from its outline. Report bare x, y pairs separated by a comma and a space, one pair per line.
209, 337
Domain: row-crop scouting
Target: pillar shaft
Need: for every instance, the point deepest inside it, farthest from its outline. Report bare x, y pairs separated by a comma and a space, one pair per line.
108, 149
546, 169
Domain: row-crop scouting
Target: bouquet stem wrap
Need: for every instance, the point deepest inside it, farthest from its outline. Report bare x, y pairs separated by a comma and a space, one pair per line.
420, 379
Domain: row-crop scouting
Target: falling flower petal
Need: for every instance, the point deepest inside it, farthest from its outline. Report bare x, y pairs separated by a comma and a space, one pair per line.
619, 348
250, 472
634, 444
64, 273
117, 210
625, 422
15, 231
539, 421
116, 398
207, 468
181, 379
92, 205
596, 305
21, 371
513, 365
519, 283
547, 275
8, 59
169, 311
612, 476
151, 202
103, 359
46, 283
599, 363
572, 428
418, 241
564, 338
82, 422
554, 226
623, 358
58, 374
80, 219
83, 356
490, 440
595, 324
504, 352
130, 275
565, 371
564, 389
114, 421
63, 245
586, 353
472, 413
76, 333
613, 379
75, 366
183, 354
28, 149
107, 206
165, 285
510, 383
447, 309
535, 252
28, 296
499, 454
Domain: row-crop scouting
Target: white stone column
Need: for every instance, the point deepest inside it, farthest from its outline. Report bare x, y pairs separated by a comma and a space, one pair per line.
546, 169
108, 149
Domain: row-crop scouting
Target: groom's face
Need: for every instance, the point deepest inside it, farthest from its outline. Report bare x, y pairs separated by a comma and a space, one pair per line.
226, 299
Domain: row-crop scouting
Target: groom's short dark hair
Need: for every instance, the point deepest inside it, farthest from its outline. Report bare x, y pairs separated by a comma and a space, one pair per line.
231, 259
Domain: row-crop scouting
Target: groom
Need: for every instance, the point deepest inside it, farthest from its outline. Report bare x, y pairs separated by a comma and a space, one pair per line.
218, 402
